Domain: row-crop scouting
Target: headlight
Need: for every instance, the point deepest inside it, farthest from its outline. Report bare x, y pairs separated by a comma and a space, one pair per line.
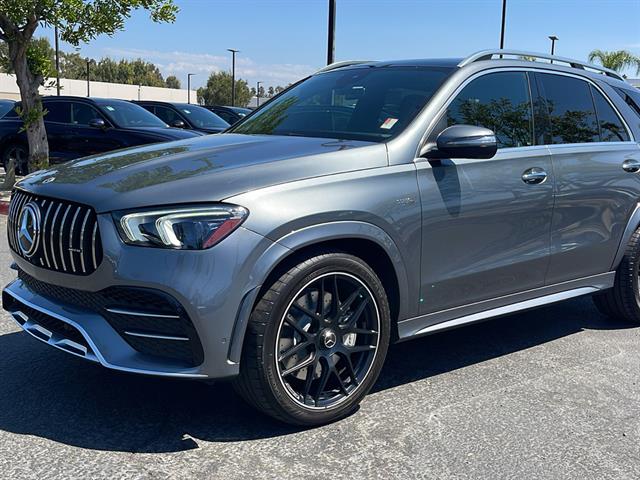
188, 228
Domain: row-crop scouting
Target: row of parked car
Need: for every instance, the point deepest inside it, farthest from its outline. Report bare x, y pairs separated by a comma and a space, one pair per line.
78, 126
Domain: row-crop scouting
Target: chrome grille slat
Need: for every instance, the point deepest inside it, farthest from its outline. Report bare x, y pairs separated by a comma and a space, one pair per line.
69, 235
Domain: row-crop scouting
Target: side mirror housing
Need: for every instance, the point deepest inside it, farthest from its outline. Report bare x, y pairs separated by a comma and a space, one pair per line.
178, 124
97, 123
465, 141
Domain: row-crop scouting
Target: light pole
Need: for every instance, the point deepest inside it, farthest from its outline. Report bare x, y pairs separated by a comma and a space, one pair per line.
553, 39
189, 75
88, 81
57, 62
504, 21
331, 33
258, 94
233, 75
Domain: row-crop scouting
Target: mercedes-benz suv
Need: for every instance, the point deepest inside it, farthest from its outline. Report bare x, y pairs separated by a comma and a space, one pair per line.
372, 202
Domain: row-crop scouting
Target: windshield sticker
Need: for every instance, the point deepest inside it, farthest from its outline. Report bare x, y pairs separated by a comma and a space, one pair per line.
389, 123
110, 108
186, 111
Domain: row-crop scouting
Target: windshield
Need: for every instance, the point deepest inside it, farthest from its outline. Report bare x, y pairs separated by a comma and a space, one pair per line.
200, 117
130, 115
371, 104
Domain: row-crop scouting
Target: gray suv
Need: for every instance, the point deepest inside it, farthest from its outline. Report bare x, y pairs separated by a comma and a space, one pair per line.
370, 203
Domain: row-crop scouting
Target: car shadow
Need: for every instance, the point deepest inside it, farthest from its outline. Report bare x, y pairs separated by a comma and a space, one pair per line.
53, 395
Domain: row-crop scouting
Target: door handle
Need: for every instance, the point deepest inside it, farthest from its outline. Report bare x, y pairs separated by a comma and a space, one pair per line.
534, 176
631, 165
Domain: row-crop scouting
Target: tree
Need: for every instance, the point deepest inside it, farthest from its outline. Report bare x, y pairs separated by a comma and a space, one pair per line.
271, 91
217, 91
172, 82
616, 60
77, 21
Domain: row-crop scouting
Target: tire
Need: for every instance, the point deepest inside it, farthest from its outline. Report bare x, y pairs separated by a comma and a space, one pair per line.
343, 340
623, 300
19, 153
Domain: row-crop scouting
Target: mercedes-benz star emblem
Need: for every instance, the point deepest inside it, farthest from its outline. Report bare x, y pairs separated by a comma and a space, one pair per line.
329, 339
29, 229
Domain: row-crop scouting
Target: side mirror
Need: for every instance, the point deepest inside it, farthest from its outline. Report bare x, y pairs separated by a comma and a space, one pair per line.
465, 141
178, 124
97, 123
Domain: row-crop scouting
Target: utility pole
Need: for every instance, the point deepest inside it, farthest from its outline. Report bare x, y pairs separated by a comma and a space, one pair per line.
189, 75
331, 33
233, 75
504, 21
258, 94
57, 61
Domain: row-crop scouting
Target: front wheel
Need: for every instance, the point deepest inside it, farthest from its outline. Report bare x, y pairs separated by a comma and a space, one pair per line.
316, 341
19, 154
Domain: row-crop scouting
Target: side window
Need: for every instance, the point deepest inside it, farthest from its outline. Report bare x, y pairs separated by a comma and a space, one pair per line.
499, 101
631, 97
572, 117
167, 115
57, 112
611, 127
82, 114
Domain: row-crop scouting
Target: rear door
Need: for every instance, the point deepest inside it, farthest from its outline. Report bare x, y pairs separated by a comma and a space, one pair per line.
596, 190
486, 223
57, 122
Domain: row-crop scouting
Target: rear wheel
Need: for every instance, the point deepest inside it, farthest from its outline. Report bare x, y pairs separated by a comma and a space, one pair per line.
316, 341
19, 154
623, 300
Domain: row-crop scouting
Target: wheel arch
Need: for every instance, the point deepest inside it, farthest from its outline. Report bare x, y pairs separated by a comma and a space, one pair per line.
632, 225
366, 241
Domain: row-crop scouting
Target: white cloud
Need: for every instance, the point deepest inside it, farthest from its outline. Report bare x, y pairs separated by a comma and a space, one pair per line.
180, 63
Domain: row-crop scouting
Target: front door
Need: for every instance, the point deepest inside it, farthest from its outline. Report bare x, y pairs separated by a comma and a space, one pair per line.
486, 223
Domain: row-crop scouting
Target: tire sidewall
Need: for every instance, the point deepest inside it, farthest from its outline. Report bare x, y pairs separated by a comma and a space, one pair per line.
312, 269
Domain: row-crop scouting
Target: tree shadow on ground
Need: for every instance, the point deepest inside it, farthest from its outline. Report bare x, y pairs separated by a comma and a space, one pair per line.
53, 395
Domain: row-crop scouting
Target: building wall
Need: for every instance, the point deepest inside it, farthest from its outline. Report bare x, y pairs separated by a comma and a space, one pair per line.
9, 89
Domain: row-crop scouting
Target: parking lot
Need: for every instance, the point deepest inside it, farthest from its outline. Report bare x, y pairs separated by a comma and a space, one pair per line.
552, 393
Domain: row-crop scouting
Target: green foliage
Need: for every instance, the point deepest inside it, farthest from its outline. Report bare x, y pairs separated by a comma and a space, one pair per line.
616, 60
218, 91
172, 82
40, 58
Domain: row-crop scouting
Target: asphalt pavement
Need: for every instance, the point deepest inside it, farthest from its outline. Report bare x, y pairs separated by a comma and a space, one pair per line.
552, 393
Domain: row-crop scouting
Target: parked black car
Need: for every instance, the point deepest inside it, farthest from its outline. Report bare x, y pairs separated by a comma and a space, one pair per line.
5, 106
185, 115
230, 115
77, 127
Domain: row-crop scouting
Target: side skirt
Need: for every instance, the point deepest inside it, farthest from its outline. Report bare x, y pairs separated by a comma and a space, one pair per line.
479, 311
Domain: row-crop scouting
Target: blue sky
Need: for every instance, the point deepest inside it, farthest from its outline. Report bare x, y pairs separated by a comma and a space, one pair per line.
282, 40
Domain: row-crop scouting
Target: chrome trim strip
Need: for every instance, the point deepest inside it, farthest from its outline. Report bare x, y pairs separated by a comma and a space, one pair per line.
134, 313
60, 234
493, 307
71, 235
82, 229
53, 225
44, 235
100, 358
93, 245
157, 337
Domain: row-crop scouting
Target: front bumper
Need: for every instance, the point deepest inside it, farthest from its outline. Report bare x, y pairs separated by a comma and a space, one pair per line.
210, 285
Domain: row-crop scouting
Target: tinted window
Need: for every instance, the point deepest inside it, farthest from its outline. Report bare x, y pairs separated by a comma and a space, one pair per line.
58, 112
130, 115
167, 115
631, 97
82, 114
500, 102
611, 127
372, 104
201, 117
5, 107
572, 118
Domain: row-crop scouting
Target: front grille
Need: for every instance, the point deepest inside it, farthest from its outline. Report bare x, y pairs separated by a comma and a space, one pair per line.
158, 315
67, 240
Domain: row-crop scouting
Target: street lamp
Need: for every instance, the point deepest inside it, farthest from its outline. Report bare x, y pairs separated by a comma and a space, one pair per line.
258, 94
504, 21
189, 75
233, 75
331, 33
553, 39
57, 61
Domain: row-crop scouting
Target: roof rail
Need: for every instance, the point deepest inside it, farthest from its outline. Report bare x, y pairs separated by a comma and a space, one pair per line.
346, 63
490, 54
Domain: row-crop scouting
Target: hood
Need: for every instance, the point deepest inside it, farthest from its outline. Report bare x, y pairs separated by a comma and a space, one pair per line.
167, 133
202, 169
